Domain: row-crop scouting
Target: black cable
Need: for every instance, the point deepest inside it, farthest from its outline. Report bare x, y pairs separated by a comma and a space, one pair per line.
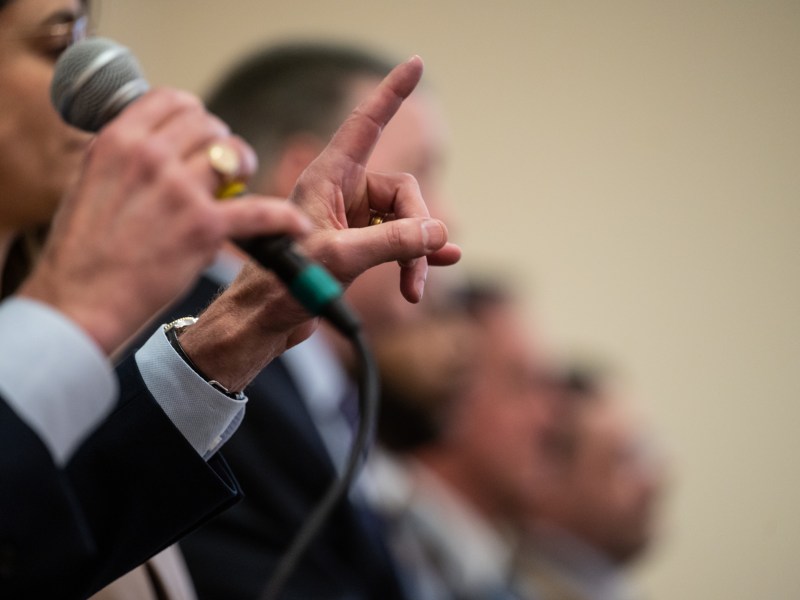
368, 400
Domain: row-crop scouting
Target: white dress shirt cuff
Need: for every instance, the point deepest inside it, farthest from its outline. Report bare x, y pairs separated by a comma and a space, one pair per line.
53, 375
205, 416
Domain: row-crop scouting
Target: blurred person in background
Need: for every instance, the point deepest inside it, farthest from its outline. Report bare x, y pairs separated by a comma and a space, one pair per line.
40, 165
468, 402
597, 513
287, 101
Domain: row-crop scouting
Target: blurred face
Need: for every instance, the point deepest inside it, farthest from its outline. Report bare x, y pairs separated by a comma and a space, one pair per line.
613, 484
40, 154
413, 142
497, 433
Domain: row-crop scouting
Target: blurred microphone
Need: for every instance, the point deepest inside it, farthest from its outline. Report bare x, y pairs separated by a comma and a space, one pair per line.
96, 79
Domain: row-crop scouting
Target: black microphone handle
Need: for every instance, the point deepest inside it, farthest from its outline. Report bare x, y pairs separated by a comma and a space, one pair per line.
309, 282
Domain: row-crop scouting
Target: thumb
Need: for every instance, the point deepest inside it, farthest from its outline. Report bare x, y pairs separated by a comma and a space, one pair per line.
348, 253
400, 240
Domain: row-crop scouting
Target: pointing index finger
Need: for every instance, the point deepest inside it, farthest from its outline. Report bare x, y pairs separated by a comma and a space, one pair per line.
360, 132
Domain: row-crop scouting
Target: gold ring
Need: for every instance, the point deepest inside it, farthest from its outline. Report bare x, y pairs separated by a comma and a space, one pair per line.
227, 163
224, 160
376, 218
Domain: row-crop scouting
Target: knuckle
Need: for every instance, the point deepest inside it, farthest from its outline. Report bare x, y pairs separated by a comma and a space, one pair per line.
362, 114
303, 190
149, 158
397, 236
185, 105
111, 140
206, 123
216, 125
303, 184
407, 180
337, 250
205, 228
181, 99
153, 153
177, 188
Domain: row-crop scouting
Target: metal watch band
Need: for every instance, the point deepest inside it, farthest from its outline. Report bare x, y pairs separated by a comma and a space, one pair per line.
172, 330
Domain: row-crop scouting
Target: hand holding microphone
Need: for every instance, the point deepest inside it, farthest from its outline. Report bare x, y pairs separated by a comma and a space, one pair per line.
95, 80
141, 223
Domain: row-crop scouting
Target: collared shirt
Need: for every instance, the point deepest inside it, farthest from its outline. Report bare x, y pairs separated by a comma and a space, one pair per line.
322, 384
52, 375
443, 545
562, 565
59, 382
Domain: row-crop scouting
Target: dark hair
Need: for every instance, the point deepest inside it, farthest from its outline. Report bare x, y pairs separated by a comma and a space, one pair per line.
479, 295
290, 89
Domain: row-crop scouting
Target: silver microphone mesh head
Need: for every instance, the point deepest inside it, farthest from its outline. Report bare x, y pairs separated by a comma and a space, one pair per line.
93, 81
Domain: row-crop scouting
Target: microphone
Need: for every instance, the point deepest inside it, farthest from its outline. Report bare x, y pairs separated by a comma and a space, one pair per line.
96, 79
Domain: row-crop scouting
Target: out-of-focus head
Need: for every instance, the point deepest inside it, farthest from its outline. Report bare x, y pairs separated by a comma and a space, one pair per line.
606, 482
491, 447
287, 101
41, 155
425, 367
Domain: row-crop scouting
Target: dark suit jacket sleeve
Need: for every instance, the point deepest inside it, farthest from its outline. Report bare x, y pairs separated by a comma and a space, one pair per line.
134, 487
284, 470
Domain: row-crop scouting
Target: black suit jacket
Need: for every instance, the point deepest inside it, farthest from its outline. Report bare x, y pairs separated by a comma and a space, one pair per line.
133, 487
284, 469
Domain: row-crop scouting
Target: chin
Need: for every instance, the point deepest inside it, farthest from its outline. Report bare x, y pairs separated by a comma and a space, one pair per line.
631, 550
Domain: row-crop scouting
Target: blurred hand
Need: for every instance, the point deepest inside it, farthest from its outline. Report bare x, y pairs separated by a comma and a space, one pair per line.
142, 221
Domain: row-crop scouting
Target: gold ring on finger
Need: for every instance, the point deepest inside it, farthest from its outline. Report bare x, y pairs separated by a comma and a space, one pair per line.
376, 218
226, 162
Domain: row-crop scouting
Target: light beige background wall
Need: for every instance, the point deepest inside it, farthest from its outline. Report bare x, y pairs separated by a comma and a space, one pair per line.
637, 166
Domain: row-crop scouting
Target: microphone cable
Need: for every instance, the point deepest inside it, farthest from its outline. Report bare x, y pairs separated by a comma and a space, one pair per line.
368, 404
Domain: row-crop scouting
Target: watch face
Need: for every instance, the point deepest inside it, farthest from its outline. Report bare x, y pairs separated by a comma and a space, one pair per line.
181, 323
172, 330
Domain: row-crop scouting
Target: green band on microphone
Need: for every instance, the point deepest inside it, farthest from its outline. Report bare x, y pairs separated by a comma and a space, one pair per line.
314, 288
